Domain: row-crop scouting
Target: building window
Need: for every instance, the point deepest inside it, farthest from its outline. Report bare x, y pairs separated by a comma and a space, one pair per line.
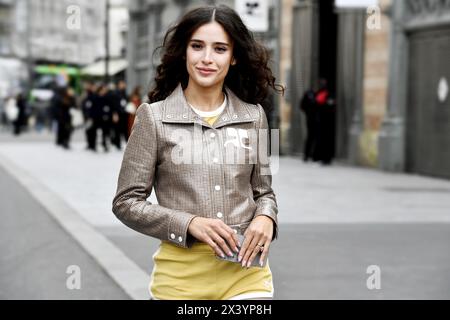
142, 24
4, 30
142, 27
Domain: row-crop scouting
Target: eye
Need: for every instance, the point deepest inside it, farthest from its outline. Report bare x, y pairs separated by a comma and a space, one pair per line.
221, 49
196, 46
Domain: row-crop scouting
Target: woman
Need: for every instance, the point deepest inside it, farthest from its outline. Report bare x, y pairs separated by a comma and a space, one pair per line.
203, 109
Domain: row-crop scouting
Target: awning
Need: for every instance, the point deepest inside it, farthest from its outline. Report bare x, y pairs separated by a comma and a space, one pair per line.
54, 69
97, 69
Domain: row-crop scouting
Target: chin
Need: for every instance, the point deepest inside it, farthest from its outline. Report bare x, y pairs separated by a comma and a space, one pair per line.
206, 83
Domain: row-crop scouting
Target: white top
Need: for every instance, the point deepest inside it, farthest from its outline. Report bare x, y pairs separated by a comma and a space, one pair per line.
214, 113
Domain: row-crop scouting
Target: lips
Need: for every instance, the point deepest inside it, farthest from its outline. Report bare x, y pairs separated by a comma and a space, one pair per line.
205, 71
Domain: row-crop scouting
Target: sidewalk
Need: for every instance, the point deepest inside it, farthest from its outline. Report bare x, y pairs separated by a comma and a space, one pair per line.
334, 222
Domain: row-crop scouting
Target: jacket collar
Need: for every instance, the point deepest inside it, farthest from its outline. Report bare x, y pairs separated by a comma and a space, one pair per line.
177, 110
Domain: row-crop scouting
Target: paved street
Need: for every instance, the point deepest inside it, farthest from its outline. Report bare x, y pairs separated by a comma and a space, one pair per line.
335, 222
36, 252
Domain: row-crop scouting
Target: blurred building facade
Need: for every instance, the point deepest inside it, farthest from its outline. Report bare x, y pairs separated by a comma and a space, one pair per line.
40, 28
389, 70
64, 32
47, 32
415, 132
399, 118
117, 43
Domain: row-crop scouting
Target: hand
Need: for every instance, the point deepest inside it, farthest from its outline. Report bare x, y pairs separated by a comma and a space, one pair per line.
258, 237
216, 234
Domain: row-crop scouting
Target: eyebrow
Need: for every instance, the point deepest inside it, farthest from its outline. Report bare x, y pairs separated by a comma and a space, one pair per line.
220, 43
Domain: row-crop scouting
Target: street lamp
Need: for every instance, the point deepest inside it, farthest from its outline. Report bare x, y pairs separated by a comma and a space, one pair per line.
106, 77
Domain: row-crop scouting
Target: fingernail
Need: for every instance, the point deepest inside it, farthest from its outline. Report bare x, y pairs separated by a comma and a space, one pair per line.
236, 249
230, 253
248, 264
222, 255
239, 258
243, 263
261, 263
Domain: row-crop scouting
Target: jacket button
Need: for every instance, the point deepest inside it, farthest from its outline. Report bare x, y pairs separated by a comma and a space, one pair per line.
212, 135
219, 214
172, 236
169, 116
224, 118
180, 239
235, 116
184, 116
217, 188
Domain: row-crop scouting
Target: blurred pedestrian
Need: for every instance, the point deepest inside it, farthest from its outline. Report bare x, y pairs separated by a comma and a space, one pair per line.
102, 117
120, 116
309, 108
11, 111
87, 109
326, 109
135, 102
21, 119
64, 102
213, 78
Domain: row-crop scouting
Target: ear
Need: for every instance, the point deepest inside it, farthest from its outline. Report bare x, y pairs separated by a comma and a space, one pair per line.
233, 62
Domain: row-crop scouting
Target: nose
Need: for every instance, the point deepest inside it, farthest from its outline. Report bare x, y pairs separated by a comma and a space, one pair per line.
207, 56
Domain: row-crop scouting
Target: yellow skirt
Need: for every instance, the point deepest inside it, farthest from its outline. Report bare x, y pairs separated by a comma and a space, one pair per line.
196, 274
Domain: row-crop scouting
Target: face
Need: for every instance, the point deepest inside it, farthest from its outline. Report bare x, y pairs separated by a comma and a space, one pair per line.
208, 55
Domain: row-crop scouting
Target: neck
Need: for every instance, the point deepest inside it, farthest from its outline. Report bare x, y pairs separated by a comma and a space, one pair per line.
204, 99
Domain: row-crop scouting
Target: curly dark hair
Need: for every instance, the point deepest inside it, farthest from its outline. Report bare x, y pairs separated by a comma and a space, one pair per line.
250, 78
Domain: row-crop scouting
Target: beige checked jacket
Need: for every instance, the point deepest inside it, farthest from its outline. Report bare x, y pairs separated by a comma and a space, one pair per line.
187, 162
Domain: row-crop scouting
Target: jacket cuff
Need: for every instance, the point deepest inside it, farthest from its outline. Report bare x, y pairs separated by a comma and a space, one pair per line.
269, 211
177, 232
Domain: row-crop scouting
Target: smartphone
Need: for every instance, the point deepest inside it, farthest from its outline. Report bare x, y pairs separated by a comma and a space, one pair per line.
234, 258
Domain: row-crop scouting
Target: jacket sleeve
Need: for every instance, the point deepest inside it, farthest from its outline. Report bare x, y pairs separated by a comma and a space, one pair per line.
135, 183
261, 179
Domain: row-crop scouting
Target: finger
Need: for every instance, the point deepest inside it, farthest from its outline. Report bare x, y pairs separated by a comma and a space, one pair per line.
229, 236
254, 250
221, 243
249, 251
243, 250
264, 253
215, 247
233, 232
